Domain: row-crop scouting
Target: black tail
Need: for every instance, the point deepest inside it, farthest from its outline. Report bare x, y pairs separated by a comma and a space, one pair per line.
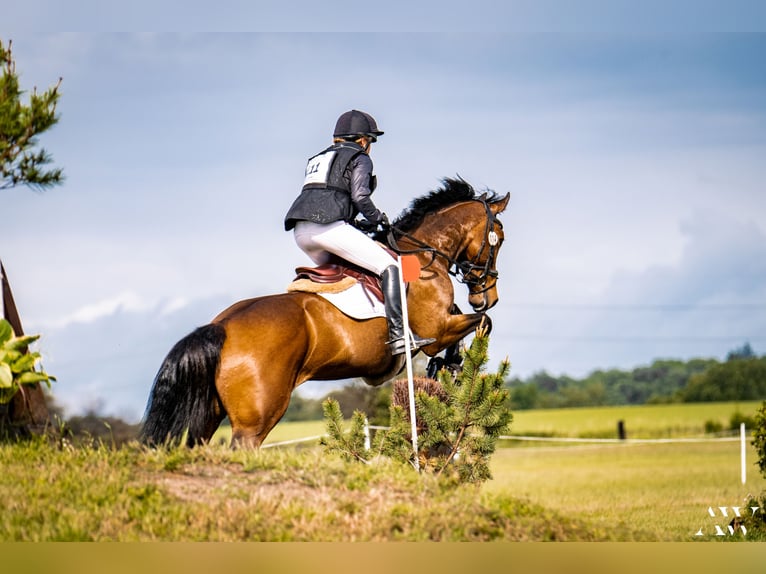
184, 394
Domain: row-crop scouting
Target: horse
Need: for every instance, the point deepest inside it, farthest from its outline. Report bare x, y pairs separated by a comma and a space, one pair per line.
247, 361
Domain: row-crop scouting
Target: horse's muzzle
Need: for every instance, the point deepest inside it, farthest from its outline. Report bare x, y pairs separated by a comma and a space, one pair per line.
484, 303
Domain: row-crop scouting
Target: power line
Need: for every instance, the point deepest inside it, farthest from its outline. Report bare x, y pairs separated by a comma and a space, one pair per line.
639, 306
635, 338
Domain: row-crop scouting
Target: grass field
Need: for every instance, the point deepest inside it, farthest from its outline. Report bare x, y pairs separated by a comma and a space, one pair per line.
643, 421
661, 490
55, 490
654, 491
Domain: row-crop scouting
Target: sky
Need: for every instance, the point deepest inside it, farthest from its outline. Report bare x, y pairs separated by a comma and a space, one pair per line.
636, 228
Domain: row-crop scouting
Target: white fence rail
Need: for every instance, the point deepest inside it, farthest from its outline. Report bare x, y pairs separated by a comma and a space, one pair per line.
741, 438
732, 438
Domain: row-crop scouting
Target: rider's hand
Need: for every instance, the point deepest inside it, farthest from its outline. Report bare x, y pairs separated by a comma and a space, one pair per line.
365, 226
385, 225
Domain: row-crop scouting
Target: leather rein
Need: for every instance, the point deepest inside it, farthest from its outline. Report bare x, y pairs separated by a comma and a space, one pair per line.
472, 273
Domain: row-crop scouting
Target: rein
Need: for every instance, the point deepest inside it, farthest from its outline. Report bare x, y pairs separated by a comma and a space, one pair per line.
470, 272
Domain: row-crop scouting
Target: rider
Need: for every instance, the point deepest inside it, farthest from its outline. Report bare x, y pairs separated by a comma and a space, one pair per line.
338, 186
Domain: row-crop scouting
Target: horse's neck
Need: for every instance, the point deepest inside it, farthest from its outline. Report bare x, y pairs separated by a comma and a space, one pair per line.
450, 238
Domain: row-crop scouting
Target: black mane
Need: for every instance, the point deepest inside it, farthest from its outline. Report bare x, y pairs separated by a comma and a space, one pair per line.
451, 192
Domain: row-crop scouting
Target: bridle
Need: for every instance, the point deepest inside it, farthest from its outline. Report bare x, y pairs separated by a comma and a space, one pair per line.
472, 273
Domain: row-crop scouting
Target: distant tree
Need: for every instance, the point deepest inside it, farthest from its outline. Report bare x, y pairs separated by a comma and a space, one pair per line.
303, 409
743, 352
661, 382
359, 396
524, 396
21, 161
733, 380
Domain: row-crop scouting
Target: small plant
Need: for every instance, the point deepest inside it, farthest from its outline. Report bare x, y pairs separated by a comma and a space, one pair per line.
713, 426
759, 437
756, 523
459, 421
17, 363
350, 445
738, 418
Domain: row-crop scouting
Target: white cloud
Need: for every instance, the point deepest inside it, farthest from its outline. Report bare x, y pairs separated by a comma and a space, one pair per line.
126, 301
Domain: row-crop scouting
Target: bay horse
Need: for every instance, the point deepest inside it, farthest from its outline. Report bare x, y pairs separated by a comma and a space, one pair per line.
246, 363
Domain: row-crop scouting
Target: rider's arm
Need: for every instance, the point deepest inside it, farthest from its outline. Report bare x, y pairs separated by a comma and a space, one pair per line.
361, 172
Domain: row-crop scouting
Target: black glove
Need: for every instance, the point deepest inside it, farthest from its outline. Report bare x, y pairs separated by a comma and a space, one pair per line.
385, 225
365, 225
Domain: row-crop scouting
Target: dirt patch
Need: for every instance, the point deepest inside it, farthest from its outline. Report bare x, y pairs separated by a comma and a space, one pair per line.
213, 484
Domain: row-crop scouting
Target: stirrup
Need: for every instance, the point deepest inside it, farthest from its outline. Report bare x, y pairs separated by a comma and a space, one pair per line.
397, 345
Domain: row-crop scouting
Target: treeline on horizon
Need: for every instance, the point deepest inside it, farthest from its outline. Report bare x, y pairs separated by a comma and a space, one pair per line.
742, 376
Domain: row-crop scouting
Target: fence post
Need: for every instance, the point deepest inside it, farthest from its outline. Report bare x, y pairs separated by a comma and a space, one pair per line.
743, 450
366, 434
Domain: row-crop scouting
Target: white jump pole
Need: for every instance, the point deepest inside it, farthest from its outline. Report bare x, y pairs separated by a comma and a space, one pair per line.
408, 356
2, 283
743, 449
366, 434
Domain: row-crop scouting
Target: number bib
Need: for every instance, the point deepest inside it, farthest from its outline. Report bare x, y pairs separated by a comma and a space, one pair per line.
318, 168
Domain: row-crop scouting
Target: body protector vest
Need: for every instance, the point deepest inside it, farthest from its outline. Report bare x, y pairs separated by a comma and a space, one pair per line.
325, 196
325, 170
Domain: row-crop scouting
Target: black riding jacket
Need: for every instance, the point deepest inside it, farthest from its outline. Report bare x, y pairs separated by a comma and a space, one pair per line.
340, 192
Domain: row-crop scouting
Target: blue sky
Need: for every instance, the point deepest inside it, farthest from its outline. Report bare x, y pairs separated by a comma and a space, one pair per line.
636, 228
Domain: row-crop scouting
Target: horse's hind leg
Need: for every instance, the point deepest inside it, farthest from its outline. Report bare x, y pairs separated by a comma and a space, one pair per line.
250, 431
254, 401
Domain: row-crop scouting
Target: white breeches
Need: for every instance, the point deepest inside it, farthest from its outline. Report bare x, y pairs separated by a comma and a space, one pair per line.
319, 240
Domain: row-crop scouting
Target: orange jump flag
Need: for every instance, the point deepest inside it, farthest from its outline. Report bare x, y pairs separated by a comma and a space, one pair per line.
410, 268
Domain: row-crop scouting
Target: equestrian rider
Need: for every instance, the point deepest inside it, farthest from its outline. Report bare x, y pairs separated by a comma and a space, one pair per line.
338, 186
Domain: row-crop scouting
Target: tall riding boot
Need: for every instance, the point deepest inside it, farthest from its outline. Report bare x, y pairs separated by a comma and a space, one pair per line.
393, 301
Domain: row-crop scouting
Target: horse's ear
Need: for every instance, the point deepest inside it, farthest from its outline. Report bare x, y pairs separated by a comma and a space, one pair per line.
500, 205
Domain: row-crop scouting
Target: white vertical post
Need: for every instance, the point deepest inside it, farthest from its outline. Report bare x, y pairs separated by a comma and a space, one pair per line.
366, 434
743, 449
2, 283
408, 356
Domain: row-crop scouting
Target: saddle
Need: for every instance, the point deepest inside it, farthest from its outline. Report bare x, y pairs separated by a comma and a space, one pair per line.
335, 277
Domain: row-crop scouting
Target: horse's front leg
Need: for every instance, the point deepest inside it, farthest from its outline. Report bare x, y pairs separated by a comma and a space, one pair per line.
454, 328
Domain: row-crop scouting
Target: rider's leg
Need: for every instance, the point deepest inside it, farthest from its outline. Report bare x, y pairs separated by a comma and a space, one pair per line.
345, 241
352, 245
392, 296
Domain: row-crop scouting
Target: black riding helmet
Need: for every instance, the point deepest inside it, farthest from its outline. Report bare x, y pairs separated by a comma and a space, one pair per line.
354, 124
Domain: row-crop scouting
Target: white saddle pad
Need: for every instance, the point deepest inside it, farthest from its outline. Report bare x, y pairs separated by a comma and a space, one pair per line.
353, 301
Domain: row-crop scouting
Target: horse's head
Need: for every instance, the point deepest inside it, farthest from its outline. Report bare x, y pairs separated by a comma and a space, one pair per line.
460, 229
476, 265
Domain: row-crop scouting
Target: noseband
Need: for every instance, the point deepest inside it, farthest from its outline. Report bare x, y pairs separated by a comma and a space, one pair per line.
473, 273
469, 272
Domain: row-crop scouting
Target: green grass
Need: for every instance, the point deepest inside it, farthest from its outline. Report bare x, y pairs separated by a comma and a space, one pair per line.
644, 421
652, 491
657, 492
641, 421
660, 491
65, 493
282, 432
